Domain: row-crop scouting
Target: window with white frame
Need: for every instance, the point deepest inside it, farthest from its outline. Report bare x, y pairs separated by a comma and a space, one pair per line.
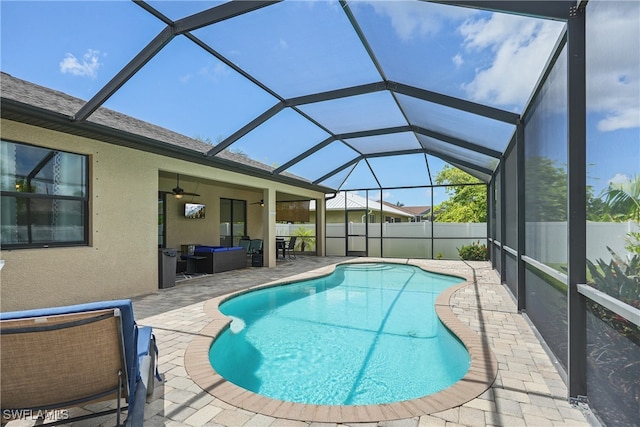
45, 197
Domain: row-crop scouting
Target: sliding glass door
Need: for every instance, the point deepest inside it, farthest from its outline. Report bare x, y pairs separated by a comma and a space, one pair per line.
233, 221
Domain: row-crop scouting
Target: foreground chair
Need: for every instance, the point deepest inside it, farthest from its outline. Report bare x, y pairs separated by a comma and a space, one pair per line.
64, 357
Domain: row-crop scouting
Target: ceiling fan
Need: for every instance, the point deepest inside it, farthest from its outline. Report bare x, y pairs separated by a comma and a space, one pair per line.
178, 191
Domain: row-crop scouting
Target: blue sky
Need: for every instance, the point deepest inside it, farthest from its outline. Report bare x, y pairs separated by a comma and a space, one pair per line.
78, 46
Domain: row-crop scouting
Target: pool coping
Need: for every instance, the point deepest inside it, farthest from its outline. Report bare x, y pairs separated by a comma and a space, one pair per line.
481, 375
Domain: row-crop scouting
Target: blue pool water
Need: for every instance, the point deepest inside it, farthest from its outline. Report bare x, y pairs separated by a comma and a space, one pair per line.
367, 334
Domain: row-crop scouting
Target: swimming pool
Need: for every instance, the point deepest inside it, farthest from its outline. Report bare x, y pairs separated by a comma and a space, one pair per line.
366, 334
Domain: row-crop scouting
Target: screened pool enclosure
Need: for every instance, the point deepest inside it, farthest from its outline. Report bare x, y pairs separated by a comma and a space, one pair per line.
538, 100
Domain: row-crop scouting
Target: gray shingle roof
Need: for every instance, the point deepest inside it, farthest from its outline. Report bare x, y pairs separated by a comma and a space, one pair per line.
53, 101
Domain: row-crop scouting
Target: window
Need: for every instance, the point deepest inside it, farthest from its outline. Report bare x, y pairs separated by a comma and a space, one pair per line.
44, 197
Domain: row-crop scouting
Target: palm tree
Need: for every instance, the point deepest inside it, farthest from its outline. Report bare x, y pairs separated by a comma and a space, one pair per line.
305, 237
623, 199
623, 202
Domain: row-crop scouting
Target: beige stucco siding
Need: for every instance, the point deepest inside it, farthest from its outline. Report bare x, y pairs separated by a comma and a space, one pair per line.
121, 260
122, 237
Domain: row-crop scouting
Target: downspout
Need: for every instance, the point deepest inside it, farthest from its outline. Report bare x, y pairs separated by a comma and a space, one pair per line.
364, 216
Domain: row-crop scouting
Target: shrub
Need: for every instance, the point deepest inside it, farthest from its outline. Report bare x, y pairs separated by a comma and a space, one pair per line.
473, 252
620, 278
305, 238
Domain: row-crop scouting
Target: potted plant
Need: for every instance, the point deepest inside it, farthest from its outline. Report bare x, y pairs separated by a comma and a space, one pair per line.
305, 237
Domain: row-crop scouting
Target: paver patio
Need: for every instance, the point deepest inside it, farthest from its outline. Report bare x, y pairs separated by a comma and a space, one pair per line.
528, 391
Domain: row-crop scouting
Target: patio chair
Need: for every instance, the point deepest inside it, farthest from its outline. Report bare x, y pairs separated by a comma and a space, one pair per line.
66, 357
245, 243
255, 247
255, 253
280, 246
290, 247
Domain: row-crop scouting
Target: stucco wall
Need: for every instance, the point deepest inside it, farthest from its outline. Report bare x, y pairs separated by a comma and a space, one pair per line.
122, 241
121, 260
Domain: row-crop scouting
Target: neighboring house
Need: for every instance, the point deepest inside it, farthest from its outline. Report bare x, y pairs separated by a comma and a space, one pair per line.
419, 213
358, 208
85, 204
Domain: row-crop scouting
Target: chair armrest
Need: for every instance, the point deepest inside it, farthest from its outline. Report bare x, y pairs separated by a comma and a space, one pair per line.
147, 356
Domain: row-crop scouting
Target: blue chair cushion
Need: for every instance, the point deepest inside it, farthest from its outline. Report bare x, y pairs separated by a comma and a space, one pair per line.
209, 249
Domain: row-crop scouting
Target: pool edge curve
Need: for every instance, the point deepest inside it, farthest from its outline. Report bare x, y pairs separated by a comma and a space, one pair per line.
482, 371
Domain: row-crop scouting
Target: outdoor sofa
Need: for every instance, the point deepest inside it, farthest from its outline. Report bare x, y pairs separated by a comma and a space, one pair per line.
217, 259
54, 359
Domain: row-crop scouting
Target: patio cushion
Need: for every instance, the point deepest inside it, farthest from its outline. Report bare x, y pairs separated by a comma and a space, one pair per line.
209, 249
136, 339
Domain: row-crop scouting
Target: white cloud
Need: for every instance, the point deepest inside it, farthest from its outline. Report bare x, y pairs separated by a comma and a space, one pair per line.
409, 19
88, 66
457, 60
613, 77
518, 48
282, 45
620, 179
211, 71
219, 69
620, 119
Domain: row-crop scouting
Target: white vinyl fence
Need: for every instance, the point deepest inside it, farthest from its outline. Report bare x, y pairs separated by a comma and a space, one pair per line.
408, 239
546, 242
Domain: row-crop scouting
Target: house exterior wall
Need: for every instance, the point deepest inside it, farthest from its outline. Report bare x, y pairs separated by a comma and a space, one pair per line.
121, 259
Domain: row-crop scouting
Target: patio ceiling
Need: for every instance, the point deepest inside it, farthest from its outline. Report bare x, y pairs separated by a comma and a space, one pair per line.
345, 95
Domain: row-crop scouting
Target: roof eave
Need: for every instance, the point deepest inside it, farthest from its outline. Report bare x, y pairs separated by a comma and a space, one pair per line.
36, 116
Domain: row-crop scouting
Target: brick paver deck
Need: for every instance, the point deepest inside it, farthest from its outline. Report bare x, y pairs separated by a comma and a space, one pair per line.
527, 391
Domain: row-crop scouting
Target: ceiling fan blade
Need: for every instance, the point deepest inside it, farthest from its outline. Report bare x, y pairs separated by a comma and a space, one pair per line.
179, 191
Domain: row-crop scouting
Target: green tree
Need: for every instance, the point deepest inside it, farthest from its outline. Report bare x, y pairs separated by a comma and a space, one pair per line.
596, 207
623, 200
546, 189
466, 203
